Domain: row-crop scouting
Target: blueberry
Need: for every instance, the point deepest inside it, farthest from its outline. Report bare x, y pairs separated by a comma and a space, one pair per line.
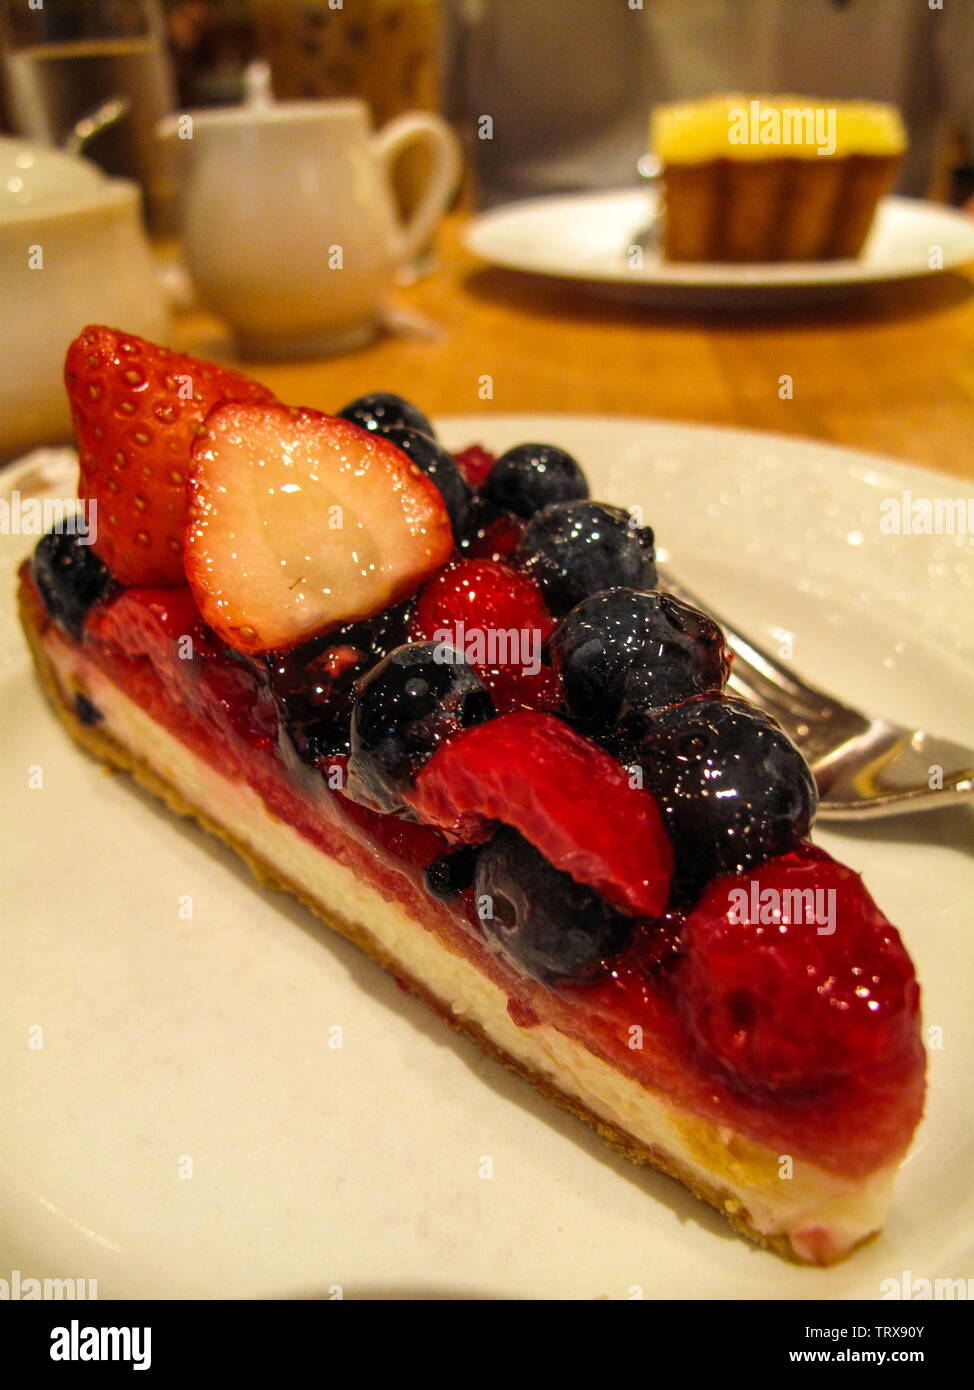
439, 467
405, 707
531, 476
539, 918
480, 515
574, 549
734, 790
624, 653
314, 685
451, 874
71, 579
383, 411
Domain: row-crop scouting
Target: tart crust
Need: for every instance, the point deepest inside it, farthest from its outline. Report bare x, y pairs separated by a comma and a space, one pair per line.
773, 210
112, 753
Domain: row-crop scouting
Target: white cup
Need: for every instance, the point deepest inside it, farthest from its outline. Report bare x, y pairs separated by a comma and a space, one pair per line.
290, 227
73, 251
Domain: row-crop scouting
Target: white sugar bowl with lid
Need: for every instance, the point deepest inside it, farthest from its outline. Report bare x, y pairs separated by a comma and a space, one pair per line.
72, 251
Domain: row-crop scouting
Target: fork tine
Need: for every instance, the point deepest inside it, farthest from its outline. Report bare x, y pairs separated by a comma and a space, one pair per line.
863, 766
815, 720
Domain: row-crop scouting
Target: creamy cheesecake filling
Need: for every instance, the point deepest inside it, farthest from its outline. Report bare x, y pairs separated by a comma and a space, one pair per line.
820, 1214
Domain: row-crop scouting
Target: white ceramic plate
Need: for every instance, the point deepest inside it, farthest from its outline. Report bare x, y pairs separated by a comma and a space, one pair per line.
589, 236
208, 1039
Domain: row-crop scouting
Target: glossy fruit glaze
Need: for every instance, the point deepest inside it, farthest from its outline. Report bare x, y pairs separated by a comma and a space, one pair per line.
155, 647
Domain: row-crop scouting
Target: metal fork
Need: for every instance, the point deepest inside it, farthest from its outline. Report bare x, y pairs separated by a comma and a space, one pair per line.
862, 766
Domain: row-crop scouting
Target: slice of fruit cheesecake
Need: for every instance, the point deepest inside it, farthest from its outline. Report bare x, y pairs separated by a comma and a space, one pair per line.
441, 700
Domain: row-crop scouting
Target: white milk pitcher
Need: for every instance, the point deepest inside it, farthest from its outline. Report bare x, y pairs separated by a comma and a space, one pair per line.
290, 228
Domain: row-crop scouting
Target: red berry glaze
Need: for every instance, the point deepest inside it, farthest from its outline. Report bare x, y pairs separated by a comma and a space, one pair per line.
793, 981
141, 621
513, 689
137, 410
534, 773
162, 631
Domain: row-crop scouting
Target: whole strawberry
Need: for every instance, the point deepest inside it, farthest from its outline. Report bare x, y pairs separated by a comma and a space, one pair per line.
137, 409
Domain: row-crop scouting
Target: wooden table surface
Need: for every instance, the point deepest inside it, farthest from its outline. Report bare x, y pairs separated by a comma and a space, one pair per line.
890, 370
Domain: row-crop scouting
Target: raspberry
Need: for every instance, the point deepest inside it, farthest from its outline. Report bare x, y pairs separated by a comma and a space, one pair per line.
535, 774
494, 536
496, 617
785, 1007
474, 463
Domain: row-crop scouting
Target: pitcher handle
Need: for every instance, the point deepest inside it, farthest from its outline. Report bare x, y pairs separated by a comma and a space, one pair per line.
422, 128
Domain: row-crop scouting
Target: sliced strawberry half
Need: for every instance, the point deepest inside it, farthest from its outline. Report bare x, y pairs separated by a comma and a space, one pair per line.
563, 793
137, 410
300, 522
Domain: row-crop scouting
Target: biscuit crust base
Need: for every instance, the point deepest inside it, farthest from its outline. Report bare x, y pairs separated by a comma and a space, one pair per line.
116, 757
